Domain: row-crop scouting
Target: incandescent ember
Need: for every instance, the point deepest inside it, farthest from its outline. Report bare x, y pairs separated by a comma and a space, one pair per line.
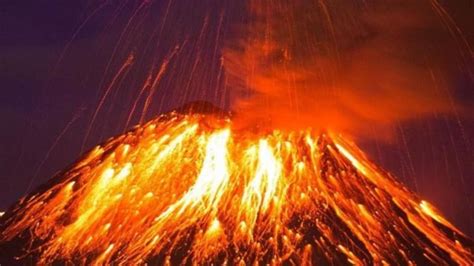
187, 188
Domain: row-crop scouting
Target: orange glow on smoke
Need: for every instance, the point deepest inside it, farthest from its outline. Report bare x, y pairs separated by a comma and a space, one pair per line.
190, 181
343, 65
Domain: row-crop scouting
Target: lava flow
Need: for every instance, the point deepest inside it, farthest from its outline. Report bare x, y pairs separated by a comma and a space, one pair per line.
188, 189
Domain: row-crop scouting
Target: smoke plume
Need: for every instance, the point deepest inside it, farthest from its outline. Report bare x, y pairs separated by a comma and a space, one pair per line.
349, 66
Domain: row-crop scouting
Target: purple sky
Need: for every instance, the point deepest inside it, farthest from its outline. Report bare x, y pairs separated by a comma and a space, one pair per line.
47, 97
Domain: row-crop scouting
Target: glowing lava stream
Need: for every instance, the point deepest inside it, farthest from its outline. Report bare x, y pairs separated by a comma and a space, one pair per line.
185, 188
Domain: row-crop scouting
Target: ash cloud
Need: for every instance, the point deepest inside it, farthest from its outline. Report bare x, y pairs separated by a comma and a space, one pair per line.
347, 66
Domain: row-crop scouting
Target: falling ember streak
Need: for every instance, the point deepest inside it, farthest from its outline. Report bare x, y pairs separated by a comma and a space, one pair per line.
188, 188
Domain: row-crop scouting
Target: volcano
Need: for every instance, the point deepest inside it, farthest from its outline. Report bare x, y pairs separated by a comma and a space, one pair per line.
186, 188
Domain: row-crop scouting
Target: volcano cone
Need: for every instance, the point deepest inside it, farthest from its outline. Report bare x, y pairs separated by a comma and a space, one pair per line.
186, 188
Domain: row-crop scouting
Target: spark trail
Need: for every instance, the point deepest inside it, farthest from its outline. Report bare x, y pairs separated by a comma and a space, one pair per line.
191, 189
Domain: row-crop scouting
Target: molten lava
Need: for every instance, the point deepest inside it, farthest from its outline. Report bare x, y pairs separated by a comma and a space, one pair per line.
187, 188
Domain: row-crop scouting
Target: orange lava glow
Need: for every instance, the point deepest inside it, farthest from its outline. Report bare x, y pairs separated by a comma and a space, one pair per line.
188, 188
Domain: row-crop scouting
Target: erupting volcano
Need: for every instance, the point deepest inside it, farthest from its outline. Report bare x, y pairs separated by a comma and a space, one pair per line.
187, 188
275, 181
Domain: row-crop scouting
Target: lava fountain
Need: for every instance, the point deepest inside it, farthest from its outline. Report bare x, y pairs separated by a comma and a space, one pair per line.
187, 188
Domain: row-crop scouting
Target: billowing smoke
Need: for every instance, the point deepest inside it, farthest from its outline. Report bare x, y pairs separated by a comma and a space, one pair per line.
350, 66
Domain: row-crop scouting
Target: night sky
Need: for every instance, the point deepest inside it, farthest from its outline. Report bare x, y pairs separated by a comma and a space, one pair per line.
51, 86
